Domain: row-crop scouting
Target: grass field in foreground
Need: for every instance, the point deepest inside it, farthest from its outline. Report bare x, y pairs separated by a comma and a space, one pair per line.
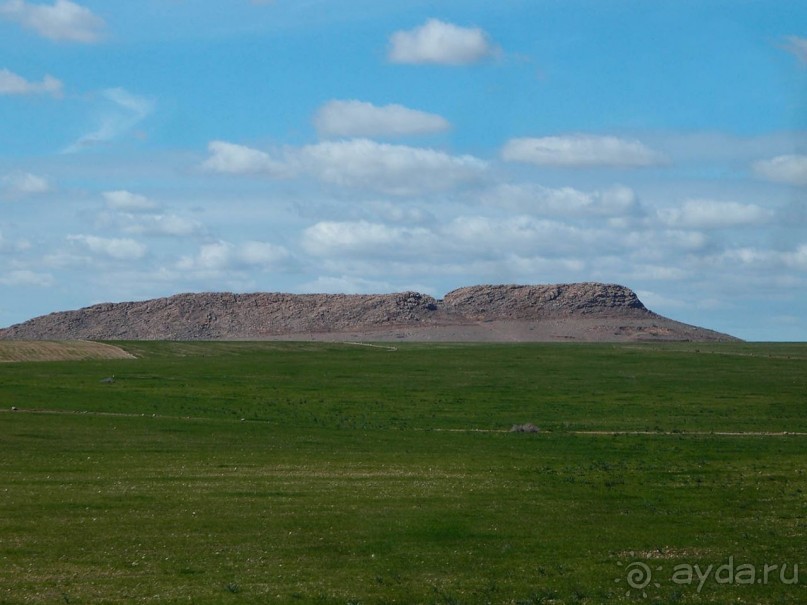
332, 473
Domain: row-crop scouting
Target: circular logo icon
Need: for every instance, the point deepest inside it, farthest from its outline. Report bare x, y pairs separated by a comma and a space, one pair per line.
638, 576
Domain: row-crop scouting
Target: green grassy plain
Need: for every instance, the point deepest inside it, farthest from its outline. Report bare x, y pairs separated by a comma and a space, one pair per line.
334, 473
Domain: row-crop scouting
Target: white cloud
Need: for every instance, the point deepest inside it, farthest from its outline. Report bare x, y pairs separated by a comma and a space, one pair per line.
354, 163
63, 21
581, 150
357, 118
565, 201
13, 84
21, 184
137, 214
798, 47
393, 169
139, 106
211, 257
711, 214
765, 259
788, 169
230, 158
113, 248
162, 224
439, 42
121, 113
328, 238
524, 236
261, 254
220, 256
128, 202
499, 246
459, 241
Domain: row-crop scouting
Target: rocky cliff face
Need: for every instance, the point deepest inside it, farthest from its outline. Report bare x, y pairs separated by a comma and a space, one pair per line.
485, 303
463, 314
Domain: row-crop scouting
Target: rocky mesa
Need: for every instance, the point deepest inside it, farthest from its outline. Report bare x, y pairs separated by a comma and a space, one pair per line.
513, 313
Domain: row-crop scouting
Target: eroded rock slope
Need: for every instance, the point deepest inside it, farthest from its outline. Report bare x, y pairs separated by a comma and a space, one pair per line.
582, 311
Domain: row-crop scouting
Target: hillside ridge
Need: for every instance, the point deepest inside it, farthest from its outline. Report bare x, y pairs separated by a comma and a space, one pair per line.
587, 311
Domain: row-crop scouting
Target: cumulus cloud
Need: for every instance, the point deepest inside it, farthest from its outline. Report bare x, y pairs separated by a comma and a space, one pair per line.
462, 240
122, 111
764, 258
521, 235
62, 21
354, 163
261, 254
361, 119
581, 150
216, 257
711, 214
22, 184
329, 238
230, 158
129, 202
565, 201
13, 84
788, 169
137, 214
441, 43
121, 249
393, 169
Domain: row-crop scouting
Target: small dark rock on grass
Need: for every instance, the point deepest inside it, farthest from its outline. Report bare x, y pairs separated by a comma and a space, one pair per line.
525, 428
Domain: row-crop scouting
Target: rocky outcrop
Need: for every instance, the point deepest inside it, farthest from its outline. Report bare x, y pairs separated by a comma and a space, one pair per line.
584, 311
533, 302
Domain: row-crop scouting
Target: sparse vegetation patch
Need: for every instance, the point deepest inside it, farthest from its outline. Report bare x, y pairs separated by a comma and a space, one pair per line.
44, 350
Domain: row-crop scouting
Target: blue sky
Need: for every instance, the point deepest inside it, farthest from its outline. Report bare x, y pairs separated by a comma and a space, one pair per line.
163, 146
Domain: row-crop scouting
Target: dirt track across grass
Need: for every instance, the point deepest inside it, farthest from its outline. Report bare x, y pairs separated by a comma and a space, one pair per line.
42, 350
